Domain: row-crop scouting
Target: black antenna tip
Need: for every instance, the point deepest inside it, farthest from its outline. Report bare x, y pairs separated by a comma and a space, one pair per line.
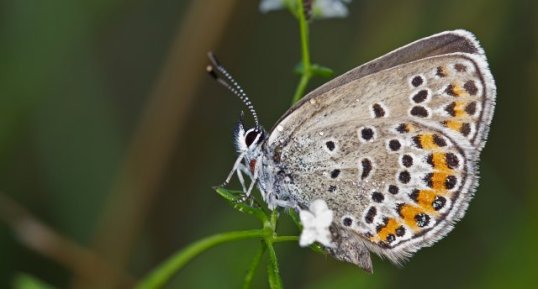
211, 72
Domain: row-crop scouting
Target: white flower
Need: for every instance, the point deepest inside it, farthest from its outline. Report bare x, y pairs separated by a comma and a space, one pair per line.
270, 5
320, 8
316, 222
330, 8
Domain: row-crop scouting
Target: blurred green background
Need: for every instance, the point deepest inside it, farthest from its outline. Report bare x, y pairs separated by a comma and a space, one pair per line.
111, 136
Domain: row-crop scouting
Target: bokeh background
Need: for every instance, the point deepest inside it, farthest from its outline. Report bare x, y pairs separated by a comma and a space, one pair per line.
111, 136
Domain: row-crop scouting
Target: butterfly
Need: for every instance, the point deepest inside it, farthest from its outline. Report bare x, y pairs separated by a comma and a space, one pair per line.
390, 148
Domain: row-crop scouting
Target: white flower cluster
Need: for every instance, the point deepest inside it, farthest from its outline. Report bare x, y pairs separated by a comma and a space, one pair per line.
320, 8
316, 221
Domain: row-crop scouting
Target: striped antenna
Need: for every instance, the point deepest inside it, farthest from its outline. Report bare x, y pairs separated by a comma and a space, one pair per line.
229, 82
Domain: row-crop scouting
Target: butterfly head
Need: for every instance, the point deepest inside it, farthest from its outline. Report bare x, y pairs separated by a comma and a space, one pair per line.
248, 139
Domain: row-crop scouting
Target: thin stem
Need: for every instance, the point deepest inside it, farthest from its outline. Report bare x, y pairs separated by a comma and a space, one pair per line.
285, 239
160, 276
272, 267
273, 273
274, 218
253, 266
305, 51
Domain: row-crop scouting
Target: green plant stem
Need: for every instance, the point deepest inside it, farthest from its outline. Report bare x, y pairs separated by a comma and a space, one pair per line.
272, 267
285, 239
305, 51
160, 276
247, 283
273, 273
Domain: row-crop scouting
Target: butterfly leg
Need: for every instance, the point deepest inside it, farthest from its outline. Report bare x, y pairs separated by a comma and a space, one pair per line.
240, 170
235, 168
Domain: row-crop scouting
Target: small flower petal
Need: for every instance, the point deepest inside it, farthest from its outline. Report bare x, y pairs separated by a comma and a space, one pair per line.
270, 5
306, 217
308, 237
325, 219
320, 8
316, 222
325, 239
318, 206
330, 8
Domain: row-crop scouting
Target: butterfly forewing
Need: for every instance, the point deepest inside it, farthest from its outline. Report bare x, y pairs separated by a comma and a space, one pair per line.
392, 152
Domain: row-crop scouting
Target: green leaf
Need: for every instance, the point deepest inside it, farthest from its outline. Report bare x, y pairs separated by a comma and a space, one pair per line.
315, 69
322, 71
235, 199
25, 281
229, 195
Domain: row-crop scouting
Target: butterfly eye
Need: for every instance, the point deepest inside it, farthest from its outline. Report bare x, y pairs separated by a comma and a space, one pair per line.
250, 137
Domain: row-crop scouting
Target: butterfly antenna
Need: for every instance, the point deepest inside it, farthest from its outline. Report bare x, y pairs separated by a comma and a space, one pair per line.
229, 82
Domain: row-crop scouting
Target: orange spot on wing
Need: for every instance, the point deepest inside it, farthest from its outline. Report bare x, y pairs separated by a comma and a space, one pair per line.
426, 140
459, 91
425, 197
408, 213
429, 141
425, 200
459, 109
439, 162
456, 90
389, 228
438, 180
453, 125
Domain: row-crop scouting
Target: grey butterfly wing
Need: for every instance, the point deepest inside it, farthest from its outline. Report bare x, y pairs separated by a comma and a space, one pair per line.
391, 150
438, 44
